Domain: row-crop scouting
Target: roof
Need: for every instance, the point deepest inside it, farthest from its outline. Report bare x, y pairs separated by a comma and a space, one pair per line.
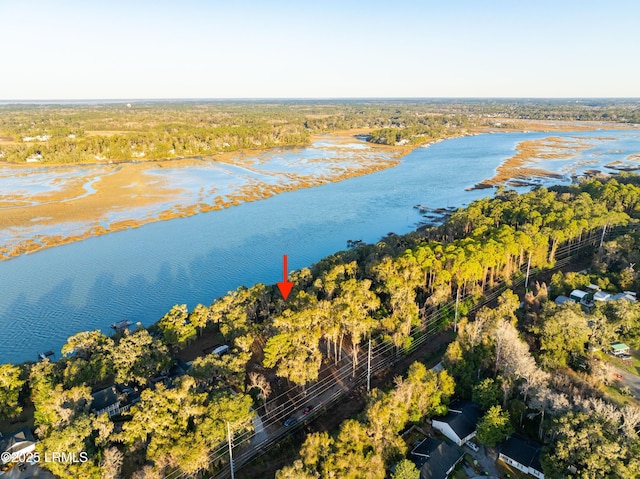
104, 398
442, 457
462, 417
601, 296
578, 293
116, 394
619, 346
563, 299
426, 447
522, 450
629, 296
17, 440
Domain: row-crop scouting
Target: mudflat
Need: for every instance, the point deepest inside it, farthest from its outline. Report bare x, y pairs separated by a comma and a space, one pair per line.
75, 202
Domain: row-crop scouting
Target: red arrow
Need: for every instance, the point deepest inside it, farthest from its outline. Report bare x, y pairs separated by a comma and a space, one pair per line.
286, 285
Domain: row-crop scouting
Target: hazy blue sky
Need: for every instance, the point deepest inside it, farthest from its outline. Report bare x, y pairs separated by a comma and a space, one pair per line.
324, 48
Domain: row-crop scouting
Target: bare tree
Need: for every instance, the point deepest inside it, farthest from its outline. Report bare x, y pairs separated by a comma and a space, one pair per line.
630, 420
112, 463
260, 382
147, 472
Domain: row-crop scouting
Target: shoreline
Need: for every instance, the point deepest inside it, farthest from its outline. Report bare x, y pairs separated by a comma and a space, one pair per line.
117, 188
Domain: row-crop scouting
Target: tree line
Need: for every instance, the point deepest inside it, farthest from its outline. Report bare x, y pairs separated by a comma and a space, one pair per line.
160, 130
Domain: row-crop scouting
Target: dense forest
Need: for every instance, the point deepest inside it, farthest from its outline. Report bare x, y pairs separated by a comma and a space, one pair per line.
159, 130
523, 365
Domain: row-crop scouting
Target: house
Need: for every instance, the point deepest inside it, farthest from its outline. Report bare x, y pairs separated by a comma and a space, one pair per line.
581, 297
599, 295
460, 422
20, 442
523, 454
628, 295
435, 458
113, 400
563, 299
618, 349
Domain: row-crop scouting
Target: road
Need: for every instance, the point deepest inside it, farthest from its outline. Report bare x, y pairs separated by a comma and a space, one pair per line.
632, 381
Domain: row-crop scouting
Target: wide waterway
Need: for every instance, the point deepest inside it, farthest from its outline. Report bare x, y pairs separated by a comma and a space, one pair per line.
140, 273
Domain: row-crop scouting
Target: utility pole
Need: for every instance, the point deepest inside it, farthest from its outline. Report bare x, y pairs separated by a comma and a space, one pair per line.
230, 450
369, 367
526, 281
604, 231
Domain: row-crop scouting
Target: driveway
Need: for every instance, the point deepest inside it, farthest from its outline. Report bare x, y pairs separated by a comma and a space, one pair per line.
486, 460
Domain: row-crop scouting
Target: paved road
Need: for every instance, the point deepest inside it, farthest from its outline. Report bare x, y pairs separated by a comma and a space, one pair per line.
632, 381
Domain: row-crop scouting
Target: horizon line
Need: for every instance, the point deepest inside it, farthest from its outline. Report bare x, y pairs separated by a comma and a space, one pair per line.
249, 99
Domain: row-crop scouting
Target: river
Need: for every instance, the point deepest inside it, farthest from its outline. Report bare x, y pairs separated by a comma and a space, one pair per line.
140, 273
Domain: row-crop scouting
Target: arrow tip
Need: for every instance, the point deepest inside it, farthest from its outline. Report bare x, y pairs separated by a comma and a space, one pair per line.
285, 288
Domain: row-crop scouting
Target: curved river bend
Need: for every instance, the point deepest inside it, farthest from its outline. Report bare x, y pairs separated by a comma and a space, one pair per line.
140, 273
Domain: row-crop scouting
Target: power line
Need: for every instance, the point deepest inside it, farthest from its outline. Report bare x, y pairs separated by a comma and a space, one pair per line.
420, 334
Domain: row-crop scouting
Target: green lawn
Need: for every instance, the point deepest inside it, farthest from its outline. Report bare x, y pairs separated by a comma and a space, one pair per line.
632, 365
620, 399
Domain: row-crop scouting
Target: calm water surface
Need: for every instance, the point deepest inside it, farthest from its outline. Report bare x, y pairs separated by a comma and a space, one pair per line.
140, 273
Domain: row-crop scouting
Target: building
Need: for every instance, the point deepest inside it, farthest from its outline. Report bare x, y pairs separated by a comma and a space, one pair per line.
436, 459
628, 295
523, 454
460, 422
19, 442
563, 299
619, 349
599, 295
582, 297
113, 400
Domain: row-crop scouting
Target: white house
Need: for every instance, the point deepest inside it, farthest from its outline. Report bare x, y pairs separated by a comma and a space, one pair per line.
459, 424
523, 454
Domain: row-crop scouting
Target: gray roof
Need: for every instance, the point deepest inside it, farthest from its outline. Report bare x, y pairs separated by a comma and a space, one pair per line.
116, 394
563, 299
463, 416
12, 442
522, 450
440, 458
104, 398
629, 296
426, 447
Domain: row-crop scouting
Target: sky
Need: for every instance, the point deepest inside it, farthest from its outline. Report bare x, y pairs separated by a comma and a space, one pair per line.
118, 49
